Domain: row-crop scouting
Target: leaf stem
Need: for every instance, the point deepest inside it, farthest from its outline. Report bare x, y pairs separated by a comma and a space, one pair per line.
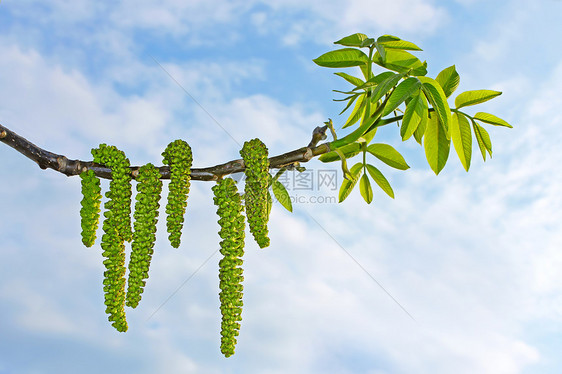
458, 111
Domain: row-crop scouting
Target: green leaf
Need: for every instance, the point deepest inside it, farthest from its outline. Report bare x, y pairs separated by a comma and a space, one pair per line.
475, 97
367, 73
413, 115
401, 44
420, 131
365, 189
480, 142
385, 86
376, 80
351, 79
390, 41
483, 139
367, 42
381, 51
438, 100
351, 96
436, 145
462, 138
401, 62
357, 112
387, 154
342, 58
348, 185
420, 70
491, 119
486, 139
387, 38
402, 92
355, 40
348, 151
449, 80
380, 180
350, 100
282, 195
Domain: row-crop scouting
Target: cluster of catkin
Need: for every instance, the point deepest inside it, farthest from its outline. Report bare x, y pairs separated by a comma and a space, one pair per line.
117, 226
118, 229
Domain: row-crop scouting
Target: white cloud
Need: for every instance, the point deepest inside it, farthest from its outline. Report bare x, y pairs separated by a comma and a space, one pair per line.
328, 21
204, 22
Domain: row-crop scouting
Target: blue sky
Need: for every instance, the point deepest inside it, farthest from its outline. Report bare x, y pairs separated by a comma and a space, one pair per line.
473, 257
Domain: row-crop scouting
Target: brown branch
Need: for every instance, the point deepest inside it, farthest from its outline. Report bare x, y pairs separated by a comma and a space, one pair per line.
68, 167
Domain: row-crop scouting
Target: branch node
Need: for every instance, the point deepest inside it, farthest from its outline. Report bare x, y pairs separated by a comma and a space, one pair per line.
3, 134
318, 134
62, 162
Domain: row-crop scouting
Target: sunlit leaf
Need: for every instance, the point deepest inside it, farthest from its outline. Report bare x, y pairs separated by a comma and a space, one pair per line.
381, 51
387, 154
449, 80
367, 42
462, 138
401, 62
376, 80
385, 86
354, 40
475, 97
420, 131
348, 185
491, 119
282, 195
436, 145
365, 69
401, 44
351, 79
350, 101
486, 139
365, 189
342, 58
438, 100
357, 112
402, 92
387, 38
483, 139
380, 179
352, 95
413, 115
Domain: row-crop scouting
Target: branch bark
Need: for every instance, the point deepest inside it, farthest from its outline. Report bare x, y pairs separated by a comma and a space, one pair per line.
69, 167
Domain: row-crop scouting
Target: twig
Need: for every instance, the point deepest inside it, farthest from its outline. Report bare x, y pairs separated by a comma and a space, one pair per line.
68, 167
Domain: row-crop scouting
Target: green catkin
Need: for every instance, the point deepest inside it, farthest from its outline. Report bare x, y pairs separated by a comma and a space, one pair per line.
178, 156
119, 187
90, 211
117, 230
254, 153
231, 220
149, 188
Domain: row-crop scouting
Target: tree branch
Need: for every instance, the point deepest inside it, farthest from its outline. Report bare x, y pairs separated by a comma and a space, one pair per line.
68, 167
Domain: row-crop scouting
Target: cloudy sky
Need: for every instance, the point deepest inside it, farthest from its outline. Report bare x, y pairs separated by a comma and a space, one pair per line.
459, 273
